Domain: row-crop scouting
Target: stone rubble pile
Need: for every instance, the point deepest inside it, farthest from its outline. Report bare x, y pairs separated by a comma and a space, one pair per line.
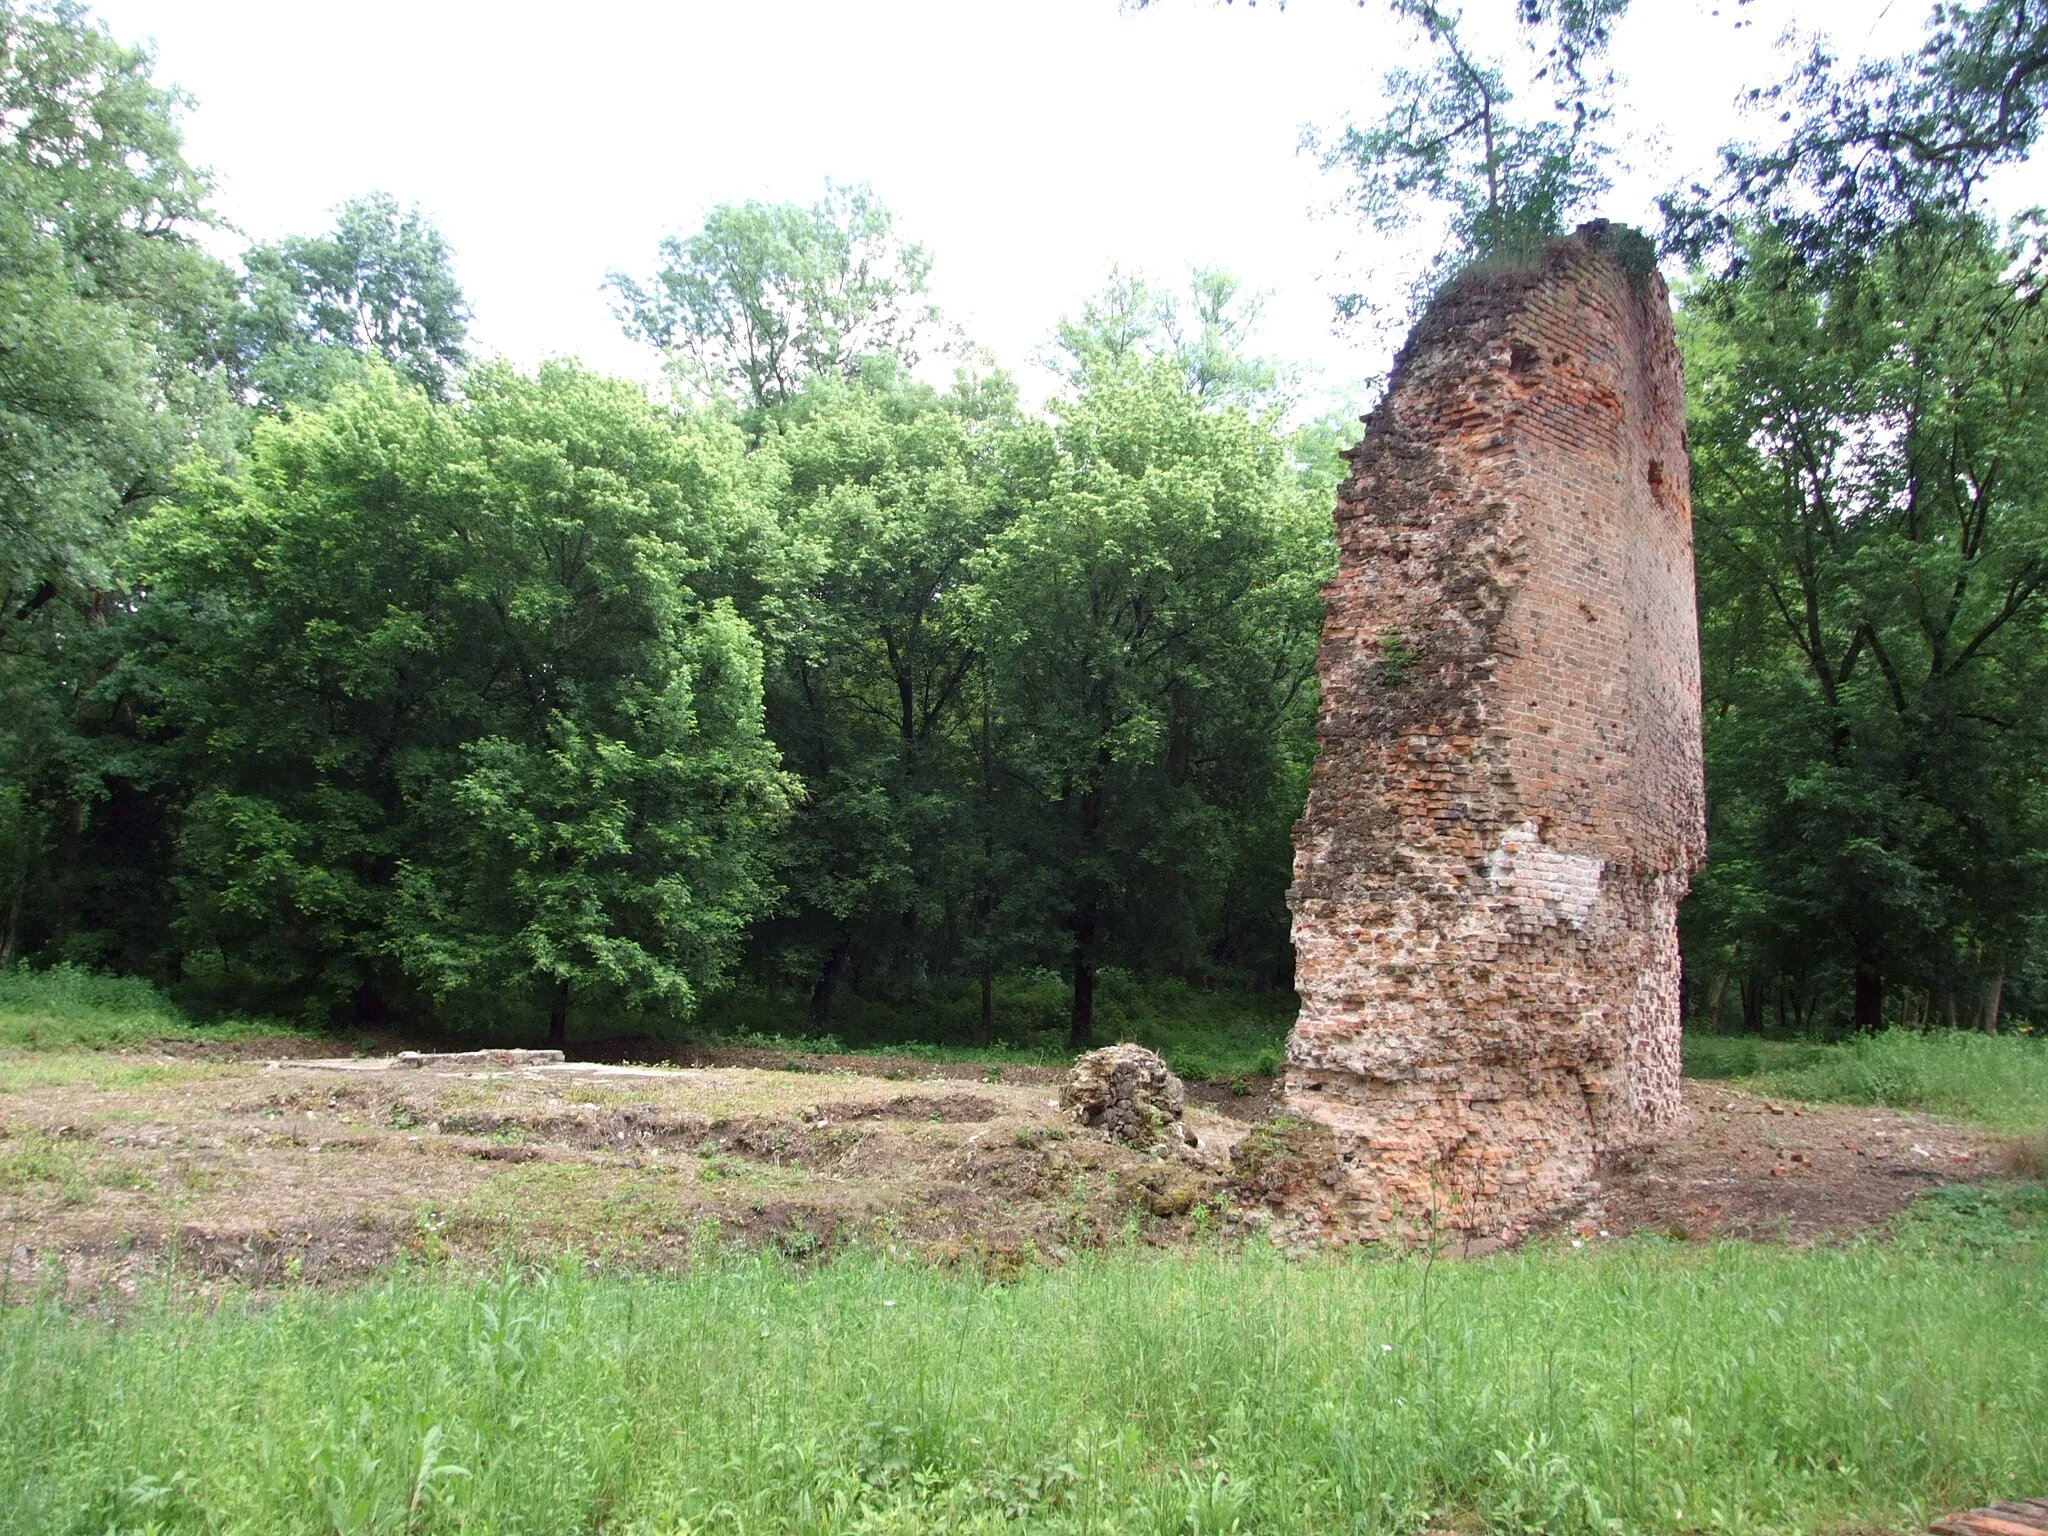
1130, 1095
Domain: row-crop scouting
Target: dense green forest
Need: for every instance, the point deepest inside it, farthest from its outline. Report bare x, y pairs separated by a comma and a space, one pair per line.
346, 678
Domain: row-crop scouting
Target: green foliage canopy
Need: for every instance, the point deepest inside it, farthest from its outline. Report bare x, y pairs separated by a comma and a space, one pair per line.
1880, 144
766, 295
115, 364
1459, 134
380, 284
1871, 496
106, 299
1151, 617
453, 705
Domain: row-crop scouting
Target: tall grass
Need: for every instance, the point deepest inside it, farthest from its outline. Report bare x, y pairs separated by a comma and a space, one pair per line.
68, 1007
1643, 1387
2001, 1081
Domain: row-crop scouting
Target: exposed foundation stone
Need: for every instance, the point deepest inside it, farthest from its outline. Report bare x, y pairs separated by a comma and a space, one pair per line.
1508, 803
1130, 1095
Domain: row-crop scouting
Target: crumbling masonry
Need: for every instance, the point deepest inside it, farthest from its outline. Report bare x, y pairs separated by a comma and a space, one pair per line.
1508, 804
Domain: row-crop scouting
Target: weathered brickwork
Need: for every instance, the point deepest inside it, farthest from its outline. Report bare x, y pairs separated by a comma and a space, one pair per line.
1508, 804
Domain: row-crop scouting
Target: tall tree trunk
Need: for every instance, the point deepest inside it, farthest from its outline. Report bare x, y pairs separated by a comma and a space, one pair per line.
558, 1019
988, 1004
74, 839
1987, 1004
1753, 1005
1716, 995
1087, 914
12, 935
1909, 1010
1081, 1027
828, 977
368, 1005
1869, 999
984, 895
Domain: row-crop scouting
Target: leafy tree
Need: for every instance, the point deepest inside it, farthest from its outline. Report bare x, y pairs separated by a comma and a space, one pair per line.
380, 284
1151, 620
889, 495
1206, 334
766, 295
102, 287
931, 840
1869, 560
1870, 487
453, 709
112, 368
1457, 135
1880, 144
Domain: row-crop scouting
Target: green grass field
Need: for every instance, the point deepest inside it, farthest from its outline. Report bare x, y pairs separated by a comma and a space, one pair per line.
1641, 1387
2000, 1081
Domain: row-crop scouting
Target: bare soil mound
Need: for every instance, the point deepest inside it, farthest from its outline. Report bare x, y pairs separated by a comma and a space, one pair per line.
1768, 1169
303, 1171
124, 1165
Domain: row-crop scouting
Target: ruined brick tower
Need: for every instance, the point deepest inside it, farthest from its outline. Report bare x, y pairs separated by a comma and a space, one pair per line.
1508, 804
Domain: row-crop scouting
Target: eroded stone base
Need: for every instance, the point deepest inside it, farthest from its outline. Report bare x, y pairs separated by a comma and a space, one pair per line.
1413, 1158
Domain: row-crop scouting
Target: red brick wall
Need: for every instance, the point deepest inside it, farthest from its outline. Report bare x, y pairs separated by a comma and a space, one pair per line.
1508, 802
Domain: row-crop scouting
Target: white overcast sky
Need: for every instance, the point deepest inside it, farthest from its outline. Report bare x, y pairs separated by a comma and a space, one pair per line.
1029, 143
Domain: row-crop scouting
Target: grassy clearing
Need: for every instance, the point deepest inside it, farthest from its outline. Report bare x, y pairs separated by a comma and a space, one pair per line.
2000, 1081
20, 1069
68, 1008
1218, 1036
1633, 1387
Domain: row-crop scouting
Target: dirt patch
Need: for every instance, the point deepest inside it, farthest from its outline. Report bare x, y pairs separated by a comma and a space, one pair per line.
305, 1172
951, 1109
1768, 1169
646, 1051
1248, 1099
1284, 1162
291, 1171
2025, 1157
263, 1048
